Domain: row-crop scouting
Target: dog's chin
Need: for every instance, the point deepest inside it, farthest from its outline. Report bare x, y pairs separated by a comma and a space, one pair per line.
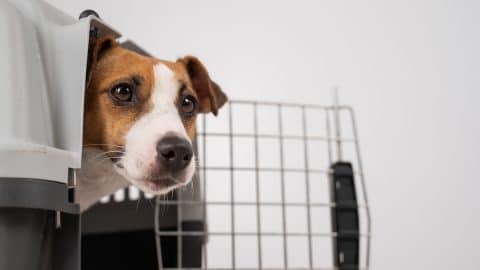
157, 184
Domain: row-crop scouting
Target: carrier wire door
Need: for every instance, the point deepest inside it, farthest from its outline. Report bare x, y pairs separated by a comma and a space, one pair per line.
282, 187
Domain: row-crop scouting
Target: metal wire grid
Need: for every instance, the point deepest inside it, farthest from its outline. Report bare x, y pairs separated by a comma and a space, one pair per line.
331, 122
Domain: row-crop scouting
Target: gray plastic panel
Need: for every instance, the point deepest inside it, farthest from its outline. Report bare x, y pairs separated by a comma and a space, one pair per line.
23, 232
36, 194
32, 235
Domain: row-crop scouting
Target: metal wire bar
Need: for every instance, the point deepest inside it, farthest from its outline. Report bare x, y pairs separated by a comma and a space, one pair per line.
220, 168
204, 172
240, 203
267, 169
158, 244
201, 233
239, 233
329, 179
273, 136
232, 183
179, 230
287, 104
338, 131
249, 203
282, 183
307, 187
257, 188
295, 268
362, 181
329, 146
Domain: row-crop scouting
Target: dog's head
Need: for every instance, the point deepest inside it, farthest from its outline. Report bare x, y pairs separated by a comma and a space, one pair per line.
141, 112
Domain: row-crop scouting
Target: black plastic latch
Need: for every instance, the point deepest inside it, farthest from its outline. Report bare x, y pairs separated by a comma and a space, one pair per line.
345, 222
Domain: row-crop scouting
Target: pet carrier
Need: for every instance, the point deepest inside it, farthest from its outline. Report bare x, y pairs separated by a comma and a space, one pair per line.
278, 186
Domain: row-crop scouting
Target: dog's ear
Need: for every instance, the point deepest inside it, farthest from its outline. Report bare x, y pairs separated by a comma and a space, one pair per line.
97, 47
210, 95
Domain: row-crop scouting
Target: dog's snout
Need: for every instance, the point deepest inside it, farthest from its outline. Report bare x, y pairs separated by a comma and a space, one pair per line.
174, 153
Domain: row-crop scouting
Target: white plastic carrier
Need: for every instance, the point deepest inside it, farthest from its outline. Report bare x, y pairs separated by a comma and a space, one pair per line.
43, 68
43, 61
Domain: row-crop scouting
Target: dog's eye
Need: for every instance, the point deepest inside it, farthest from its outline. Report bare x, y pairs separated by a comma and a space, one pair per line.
188, 104
122, 92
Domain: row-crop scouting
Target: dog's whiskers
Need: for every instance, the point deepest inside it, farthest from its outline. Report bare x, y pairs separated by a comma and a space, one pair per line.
103, 154
102, 144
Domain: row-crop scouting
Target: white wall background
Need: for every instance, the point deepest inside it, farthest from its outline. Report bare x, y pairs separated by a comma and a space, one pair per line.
411, 69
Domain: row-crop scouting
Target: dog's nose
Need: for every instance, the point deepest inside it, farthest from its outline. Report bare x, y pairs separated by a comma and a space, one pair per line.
174, 153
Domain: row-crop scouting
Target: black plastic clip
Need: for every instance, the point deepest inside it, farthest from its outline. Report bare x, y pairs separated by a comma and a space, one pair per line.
345, 222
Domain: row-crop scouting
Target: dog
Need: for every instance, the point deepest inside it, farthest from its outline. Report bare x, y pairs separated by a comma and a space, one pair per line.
139, 121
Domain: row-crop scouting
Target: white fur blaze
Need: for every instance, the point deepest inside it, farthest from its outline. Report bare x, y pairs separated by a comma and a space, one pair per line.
140, 157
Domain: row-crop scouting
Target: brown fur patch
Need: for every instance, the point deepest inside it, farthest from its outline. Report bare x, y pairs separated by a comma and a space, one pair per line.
106, 124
